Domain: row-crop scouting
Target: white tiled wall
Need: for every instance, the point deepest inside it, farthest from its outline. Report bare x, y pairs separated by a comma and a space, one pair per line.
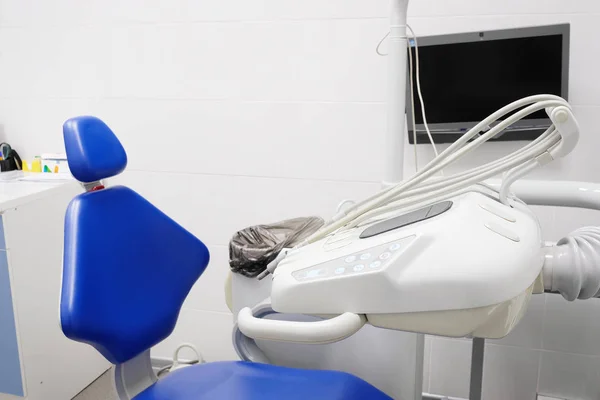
236, 112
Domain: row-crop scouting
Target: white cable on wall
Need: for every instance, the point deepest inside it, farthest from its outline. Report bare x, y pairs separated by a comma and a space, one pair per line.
411, 84
412, 106
423, 114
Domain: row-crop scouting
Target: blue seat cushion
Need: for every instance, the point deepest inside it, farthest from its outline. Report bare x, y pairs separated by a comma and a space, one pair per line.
250, 381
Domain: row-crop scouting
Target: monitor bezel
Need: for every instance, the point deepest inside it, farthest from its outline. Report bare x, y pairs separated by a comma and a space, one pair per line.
527, 129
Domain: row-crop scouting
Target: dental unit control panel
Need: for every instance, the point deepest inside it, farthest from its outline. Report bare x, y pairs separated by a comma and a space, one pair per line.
365, 261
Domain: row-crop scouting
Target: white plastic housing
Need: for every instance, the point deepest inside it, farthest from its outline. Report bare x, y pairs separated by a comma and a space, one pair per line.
477, 257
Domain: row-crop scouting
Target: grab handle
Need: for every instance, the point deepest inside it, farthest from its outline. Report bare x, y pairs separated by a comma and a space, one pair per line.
320, 332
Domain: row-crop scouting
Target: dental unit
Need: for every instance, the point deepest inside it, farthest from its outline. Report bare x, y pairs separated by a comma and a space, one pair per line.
444, 255
455, 255
452, 254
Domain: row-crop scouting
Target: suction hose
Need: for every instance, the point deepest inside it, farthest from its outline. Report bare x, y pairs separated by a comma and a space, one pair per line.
572, 266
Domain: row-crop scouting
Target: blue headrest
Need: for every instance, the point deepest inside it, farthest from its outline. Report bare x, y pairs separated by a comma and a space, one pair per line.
128, 267
93, 150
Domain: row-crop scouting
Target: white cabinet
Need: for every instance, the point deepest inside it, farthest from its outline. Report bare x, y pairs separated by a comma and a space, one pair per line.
37, 361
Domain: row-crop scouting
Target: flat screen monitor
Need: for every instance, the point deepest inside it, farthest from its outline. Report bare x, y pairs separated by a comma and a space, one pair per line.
466, 77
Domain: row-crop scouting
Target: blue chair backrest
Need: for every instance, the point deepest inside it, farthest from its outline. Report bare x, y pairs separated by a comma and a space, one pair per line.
128, 267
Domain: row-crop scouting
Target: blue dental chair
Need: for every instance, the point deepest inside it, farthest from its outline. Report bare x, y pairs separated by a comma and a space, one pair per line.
127, 271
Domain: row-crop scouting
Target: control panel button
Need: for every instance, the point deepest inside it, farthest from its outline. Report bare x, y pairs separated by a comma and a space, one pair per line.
385, 256
315, 273
358, 268
350, 259
301, 275
394, 247
375, 264
365, 256
340, 270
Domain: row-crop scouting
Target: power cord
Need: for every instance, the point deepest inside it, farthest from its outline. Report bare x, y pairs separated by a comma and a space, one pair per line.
412, 106
379, 45
178, 364
414, 37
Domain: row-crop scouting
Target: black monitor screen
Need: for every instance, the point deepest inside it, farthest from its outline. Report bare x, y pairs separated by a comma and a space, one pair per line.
465, 82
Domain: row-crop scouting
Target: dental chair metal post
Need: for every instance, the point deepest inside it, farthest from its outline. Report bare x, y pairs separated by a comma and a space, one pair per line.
120, 251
